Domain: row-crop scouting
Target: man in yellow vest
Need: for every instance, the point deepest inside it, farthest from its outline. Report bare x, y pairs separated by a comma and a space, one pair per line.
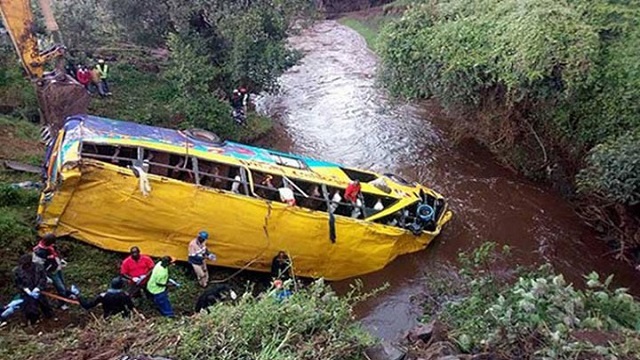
104, 74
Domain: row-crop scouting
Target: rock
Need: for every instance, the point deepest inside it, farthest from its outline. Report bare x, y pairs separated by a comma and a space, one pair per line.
385, 351
483, 356
439, 350
421, 332
432, 332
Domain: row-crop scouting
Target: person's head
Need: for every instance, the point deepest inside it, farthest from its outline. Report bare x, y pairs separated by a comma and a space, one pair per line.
49, 239
79, 66
203, 236
282, 255
25, 261
117, 283
167, 260
277, 284
135, 253
100, 61
243, 90
356, 181
236, 92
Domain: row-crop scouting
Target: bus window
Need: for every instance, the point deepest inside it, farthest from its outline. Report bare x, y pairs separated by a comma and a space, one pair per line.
118, 155
266, 185
222, 176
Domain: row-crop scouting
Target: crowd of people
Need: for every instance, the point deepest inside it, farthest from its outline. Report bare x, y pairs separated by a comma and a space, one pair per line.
139, 277
94, 79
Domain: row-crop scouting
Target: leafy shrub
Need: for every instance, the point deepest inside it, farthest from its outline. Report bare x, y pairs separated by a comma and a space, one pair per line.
538, 314
15, 232
192, 74
613, 169
454, 49
312, 324
10, 196
569, 68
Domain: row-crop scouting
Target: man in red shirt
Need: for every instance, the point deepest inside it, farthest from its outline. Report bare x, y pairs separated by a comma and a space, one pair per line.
352, 194
136, 269
352, 191
83, 76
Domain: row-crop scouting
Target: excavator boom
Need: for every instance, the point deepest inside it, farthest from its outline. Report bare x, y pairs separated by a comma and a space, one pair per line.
59, 95
18, 20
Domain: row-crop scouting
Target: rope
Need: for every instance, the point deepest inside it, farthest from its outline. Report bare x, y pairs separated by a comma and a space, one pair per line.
58, 297
255, 258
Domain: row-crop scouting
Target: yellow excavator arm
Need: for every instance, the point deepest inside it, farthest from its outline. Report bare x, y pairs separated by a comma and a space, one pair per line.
18, 20
59, 95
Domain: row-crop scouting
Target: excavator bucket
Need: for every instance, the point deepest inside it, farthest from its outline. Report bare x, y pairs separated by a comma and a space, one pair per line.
60, 97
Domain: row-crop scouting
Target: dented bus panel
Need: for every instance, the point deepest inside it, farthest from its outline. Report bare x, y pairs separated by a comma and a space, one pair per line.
117, 184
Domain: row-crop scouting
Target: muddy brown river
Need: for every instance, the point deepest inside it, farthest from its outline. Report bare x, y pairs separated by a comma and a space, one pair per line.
331, 109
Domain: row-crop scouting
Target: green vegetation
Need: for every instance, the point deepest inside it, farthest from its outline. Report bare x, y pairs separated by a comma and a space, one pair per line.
364, 27
312, 324
614, 169
368, 23
526, 313
566, 66
539, 82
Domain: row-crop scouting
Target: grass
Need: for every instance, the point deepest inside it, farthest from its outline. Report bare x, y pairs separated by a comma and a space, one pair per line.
368, 23
363, 27
145, 97
312, 324
138, 96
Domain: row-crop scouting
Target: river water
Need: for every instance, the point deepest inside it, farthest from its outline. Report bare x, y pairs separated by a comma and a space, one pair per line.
331, 109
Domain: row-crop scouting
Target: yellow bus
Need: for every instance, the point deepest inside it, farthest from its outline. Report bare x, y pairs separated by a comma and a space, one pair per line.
117, 184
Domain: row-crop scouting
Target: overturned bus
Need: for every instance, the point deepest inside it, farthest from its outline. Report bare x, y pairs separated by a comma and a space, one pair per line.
117, 184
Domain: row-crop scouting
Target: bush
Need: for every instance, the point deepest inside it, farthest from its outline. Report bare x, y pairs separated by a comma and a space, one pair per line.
613, 170
10, 196
566, 68
312, 324
538, 314
455, 49
16, 232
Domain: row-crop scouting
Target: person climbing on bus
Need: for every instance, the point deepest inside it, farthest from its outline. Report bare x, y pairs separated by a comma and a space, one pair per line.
136, 269
281, 266
30, 278
114, 301
158, 283
197, 252
268, 190
286, 194
352, 194
46, 255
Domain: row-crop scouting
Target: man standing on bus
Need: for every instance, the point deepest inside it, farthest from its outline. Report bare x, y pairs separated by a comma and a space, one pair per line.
197, 253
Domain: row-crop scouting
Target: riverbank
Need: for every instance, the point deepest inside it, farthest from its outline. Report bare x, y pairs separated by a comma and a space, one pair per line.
331, 107
535, 144
564, 115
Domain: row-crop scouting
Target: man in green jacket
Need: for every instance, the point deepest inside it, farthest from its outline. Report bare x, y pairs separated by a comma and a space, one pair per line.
157, 285
103, 69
